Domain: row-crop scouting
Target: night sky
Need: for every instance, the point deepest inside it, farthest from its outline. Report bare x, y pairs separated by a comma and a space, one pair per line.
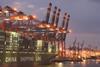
84, 21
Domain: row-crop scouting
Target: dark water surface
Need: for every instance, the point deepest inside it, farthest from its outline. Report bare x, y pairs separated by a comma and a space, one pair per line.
64, 64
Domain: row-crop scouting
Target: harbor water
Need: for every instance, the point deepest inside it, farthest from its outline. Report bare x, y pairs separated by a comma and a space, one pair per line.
93, 63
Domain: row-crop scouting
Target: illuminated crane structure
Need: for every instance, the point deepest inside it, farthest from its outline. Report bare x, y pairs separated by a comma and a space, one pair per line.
23, 34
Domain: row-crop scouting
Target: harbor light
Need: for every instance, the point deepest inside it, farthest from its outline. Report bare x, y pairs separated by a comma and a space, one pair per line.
18, 18
25, 18
0, 12
60, 49
64, 31
47, 25
69, 30
34, 17
15, 9
57, 29
7, 19
6, 11
51, 29
41, 26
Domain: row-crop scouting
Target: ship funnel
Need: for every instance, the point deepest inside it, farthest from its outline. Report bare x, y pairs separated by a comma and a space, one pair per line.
54, 15
48, 13
68, 17
64, 20
57, 18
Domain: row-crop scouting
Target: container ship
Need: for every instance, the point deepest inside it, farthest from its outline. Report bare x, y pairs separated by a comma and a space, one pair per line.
24, 38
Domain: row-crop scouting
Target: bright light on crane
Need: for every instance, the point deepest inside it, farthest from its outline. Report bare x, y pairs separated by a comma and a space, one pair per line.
15, 9
69, 30
6, 11
34, 16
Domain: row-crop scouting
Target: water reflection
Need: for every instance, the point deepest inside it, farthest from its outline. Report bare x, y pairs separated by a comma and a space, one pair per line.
98, 61
59, 64
83, 63
64, 64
